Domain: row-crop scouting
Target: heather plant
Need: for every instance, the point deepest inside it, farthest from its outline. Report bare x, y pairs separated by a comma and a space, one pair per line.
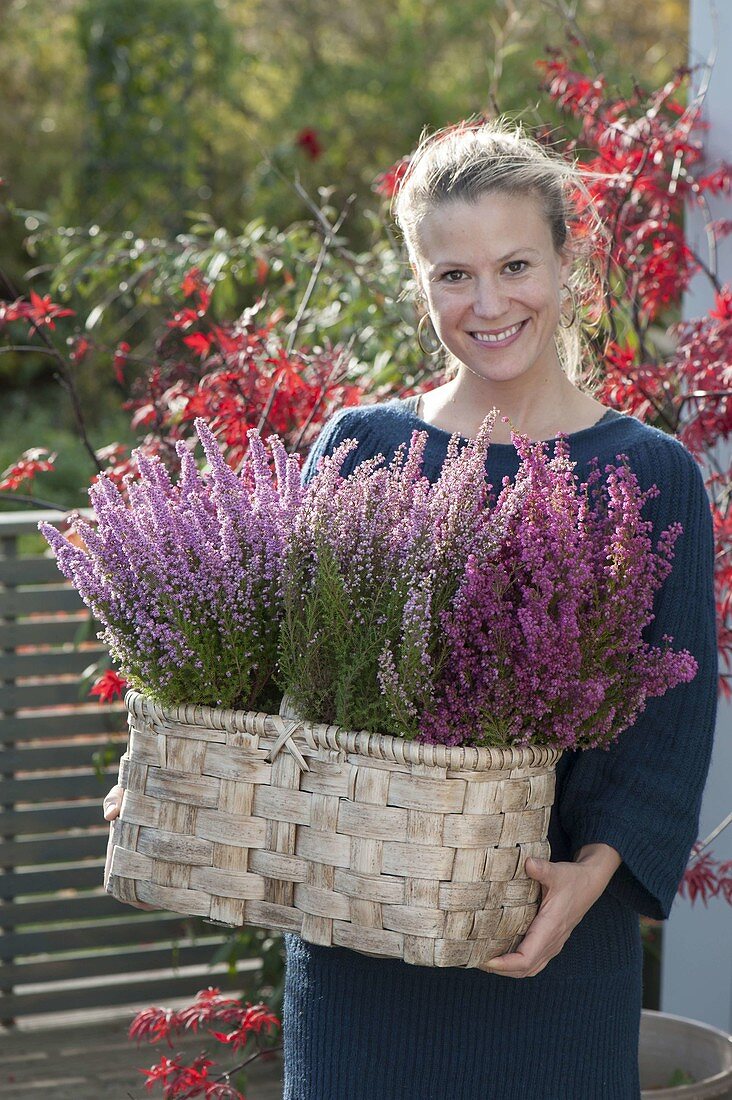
368, 552
450, 614
185, 577
545, 636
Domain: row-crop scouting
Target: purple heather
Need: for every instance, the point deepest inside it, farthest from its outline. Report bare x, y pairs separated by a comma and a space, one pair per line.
185, 577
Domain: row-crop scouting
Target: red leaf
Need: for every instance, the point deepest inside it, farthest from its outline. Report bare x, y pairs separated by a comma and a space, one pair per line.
37, 460
210, 1006
387, 183
42, 311
192, 281
255, 1019
79, 349
146, 414
13, 311
120, 361
183, 319
719, 182
109, 686
309, 142
154, 1024
199, 342
722, 305
700, 880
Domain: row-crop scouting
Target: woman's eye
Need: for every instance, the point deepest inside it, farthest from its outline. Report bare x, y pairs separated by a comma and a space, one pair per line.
448, 276
515, 267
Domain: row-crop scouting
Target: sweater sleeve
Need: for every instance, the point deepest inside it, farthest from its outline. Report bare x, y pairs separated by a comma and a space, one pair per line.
643, 795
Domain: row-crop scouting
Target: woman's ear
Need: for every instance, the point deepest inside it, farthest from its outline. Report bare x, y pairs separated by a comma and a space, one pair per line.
566, 262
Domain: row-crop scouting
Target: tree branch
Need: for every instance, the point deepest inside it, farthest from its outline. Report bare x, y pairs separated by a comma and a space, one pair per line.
65, 378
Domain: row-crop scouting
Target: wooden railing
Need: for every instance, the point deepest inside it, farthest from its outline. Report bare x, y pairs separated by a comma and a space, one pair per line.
64, 943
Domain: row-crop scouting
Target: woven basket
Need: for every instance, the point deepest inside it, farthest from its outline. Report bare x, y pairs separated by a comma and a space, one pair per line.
382, 845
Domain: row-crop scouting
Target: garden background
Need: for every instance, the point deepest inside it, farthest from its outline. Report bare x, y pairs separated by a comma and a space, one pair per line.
246, 141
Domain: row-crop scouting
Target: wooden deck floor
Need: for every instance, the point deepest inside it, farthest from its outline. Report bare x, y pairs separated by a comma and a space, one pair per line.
92, 1059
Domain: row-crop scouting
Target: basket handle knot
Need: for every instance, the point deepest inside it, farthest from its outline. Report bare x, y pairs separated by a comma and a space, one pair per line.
284, 739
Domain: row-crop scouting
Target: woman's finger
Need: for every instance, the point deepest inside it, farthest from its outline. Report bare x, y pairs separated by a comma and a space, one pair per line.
112, 803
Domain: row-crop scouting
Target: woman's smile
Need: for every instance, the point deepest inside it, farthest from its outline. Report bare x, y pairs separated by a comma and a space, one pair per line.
499, 337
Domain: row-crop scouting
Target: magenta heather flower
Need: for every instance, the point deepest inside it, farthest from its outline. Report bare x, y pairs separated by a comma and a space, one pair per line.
544, 636
186, 577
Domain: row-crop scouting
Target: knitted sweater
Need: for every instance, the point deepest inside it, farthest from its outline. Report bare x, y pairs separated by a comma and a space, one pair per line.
364, 1028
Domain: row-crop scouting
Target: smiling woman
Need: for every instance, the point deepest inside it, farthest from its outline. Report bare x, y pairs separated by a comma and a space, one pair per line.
500, 270
492, 281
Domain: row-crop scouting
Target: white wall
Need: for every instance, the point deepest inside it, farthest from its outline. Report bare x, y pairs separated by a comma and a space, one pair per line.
697, 949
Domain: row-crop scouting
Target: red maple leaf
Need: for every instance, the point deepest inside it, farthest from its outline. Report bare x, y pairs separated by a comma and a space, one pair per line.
154, 1024
700, 878
12, 311
42, 311
109, 686
256, 1018
183, 319
722, 305
37, 460
211, 1006
199, 342
146, 414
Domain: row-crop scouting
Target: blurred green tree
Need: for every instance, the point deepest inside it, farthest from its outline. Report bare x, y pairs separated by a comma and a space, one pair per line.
155, 70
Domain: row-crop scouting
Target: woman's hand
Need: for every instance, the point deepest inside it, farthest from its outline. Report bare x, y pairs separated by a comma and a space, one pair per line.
568, 891
113, 802
112, 805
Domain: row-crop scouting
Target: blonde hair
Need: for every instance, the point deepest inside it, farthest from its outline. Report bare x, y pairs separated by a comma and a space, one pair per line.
477, 158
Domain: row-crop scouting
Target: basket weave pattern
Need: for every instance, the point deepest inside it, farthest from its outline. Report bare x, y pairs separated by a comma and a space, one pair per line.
382, 845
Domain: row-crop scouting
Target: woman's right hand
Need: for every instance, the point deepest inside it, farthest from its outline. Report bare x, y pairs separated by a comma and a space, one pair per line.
113, 802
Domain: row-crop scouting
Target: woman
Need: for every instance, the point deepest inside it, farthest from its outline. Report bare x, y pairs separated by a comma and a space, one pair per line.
487, 220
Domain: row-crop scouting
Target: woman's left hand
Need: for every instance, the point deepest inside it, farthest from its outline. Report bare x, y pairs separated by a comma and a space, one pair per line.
568, 891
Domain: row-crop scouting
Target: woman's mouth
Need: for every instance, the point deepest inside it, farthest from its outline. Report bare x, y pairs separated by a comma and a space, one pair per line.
499, 338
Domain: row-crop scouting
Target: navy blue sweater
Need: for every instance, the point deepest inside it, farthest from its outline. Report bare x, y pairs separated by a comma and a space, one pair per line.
361, 1028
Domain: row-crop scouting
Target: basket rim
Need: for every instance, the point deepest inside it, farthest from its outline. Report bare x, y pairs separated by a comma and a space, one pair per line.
364, 742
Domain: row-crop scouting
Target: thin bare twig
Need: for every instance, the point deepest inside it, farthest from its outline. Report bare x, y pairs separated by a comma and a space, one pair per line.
330, 233
713, 835
35, 502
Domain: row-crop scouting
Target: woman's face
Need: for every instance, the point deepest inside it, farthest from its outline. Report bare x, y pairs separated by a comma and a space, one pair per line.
493, 280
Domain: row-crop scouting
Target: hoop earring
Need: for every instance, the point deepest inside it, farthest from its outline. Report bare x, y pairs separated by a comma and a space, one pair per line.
434, 350
563, 322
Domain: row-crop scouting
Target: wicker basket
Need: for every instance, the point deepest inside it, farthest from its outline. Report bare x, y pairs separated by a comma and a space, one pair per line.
382, 845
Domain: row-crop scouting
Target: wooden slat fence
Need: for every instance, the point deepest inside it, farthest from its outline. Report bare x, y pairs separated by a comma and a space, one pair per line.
64, 943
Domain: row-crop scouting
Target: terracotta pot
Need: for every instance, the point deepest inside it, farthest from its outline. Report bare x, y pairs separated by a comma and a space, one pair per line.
671, 1043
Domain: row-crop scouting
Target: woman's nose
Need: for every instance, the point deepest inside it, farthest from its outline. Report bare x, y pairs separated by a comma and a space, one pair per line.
490, 299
